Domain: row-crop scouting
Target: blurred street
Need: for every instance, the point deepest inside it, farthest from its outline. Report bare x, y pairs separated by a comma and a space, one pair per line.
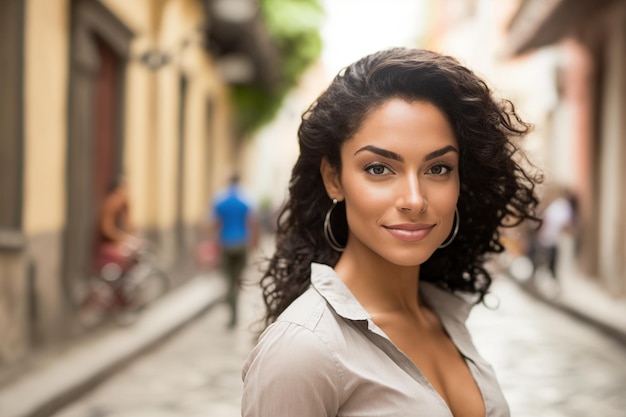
549, 364
196, 372
109, 105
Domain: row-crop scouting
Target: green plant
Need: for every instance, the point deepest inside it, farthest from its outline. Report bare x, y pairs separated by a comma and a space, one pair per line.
294, 28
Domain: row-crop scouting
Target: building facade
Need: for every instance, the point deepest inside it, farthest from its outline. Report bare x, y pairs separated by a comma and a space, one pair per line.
95, 89
562, 62
591, 76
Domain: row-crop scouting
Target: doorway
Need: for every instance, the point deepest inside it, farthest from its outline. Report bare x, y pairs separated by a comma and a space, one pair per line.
99, 51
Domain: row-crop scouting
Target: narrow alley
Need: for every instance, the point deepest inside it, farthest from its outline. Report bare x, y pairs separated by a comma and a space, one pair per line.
122, 123
549, 364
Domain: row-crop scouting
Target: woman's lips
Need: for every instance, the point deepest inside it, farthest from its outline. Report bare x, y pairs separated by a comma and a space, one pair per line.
410, 232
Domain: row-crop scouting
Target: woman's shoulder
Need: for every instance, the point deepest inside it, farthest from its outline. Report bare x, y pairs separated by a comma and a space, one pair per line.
307, 329
306, 310
293, 351
291, 371
292, 340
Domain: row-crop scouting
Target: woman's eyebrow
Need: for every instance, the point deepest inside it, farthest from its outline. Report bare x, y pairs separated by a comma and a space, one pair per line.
392, 155
440, 152
382, 152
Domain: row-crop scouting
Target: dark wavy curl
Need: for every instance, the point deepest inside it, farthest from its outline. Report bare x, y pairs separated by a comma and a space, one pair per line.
496, 191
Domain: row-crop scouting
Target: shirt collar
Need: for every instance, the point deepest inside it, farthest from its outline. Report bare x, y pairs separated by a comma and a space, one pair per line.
328, 284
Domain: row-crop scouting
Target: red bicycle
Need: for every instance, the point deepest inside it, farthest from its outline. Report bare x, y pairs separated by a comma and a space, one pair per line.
121, 293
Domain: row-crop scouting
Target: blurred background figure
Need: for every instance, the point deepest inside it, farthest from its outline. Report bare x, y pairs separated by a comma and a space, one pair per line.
115, 239
233, 223
559, 218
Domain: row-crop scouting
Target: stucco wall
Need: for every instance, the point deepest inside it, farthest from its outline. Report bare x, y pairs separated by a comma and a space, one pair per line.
45, 150
152, 120
31, 293
35, 304
151, 137
45, 130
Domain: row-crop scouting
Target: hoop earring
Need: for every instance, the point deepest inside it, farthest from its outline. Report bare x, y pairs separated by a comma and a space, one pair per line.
457, 221
328, 232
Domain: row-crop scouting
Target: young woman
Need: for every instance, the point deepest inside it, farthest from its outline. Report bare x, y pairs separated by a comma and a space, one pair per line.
407, 170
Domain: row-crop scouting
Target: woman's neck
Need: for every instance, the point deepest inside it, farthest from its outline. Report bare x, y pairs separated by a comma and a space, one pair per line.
380, 286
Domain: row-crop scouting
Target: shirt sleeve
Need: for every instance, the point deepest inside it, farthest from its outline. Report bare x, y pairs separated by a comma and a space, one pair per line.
291, 373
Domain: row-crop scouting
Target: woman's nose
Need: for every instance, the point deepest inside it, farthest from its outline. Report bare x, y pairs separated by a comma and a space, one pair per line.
411, 197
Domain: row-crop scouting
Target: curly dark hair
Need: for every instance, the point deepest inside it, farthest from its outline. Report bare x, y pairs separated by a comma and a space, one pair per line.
496, 188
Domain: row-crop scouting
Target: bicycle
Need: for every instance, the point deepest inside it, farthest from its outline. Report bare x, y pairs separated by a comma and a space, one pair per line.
121, 293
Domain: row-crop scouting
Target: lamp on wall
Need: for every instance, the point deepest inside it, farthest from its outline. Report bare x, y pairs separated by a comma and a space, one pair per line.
154, 59
235, 11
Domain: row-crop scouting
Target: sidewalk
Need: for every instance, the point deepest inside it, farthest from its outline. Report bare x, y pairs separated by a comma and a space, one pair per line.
582, 298
39, 393
574, 293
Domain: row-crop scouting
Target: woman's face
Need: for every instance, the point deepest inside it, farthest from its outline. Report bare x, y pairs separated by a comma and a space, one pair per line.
399, 181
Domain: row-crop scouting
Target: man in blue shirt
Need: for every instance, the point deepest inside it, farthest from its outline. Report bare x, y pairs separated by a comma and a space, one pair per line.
235, 225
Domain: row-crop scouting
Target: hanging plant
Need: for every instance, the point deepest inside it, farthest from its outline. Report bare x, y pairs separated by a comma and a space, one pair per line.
294, 26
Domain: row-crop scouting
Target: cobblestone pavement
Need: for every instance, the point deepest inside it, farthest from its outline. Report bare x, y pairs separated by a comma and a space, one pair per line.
549, 365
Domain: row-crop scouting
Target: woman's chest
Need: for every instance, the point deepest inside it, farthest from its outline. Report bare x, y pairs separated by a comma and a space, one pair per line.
381, 380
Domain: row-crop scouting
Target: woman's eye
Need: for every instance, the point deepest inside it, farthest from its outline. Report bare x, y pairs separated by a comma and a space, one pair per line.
377, 170
440, 170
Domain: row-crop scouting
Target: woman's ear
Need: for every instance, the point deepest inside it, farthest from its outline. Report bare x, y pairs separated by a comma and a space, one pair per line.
332, 182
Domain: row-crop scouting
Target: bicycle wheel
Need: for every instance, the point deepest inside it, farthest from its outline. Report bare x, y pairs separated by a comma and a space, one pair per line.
142, 285
95, 300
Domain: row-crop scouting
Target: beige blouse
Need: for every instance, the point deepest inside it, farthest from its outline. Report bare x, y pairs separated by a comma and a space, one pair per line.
324, 356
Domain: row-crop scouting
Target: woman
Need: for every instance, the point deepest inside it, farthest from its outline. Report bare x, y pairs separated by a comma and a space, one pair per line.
407, 170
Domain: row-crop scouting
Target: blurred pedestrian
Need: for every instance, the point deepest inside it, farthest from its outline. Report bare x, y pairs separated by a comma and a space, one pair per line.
558, 218
234, 223
116, 240
408, 167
